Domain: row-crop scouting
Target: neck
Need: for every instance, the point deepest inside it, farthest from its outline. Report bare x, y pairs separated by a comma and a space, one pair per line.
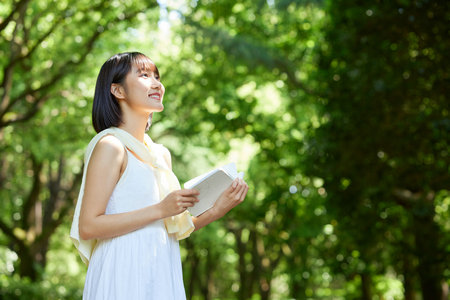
135, 126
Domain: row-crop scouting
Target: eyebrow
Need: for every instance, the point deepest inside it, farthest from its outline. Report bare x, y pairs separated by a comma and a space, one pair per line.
140, 70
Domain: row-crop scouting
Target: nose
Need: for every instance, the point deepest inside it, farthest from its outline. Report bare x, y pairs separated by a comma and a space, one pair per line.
156, 84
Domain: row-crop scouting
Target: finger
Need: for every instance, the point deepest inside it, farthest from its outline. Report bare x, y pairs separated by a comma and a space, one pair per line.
240, 193
190, 200
187, 204
235, 182
231, 188
244, 186
235, 192
244, 194
238, 189
189, 192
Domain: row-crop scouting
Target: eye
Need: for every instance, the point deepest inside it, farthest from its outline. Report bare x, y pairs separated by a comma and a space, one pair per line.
144, 74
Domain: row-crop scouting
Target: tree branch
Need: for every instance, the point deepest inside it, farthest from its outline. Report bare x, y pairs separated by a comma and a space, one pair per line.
54, 186
50, 224
28, 115
8, 231
52, 81
263, 56
30, 92
8, 70
19, 6
405, 197
3, 170
42, 38
33, 195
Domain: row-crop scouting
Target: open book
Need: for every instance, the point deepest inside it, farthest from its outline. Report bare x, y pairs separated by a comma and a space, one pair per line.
211, 185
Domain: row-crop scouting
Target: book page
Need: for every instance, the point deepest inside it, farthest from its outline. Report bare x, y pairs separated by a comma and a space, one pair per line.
210, 190
194, 181
211, 185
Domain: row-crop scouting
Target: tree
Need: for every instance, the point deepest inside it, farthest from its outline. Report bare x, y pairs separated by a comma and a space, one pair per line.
382, 145
243, 81
45, 48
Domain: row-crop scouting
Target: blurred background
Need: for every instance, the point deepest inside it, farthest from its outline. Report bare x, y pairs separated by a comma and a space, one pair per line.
337, 111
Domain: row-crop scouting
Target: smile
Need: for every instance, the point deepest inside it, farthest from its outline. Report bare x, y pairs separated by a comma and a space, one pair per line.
155, 96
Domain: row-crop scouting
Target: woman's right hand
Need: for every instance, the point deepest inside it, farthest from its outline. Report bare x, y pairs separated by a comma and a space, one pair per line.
178, 201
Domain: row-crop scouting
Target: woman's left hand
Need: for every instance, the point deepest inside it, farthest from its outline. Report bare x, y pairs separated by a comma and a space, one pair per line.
231, 197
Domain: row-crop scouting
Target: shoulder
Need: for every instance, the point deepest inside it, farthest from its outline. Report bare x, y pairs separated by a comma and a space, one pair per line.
109, 150
110, 145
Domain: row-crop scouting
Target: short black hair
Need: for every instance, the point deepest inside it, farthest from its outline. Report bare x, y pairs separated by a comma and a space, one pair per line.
106, 110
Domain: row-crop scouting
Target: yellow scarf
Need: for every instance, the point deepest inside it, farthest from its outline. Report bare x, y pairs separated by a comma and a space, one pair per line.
157, 156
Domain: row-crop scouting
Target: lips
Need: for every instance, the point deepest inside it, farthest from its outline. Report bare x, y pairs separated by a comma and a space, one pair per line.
155, 96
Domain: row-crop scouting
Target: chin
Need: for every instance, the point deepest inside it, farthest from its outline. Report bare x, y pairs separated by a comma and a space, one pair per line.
155, 109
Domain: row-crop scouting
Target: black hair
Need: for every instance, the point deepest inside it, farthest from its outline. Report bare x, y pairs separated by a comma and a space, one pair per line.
106, 110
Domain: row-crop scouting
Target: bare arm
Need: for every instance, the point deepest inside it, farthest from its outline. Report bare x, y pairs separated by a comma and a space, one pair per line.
103, 173
230, 198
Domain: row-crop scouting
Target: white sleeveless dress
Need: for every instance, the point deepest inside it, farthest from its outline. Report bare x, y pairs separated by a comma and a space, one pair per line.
143, 264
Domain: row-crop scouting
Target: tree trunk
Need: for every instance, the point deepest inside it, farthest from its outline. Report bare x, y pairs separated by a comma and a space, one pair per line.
27, 264
210, 277
192, 261
192, 279
256, 262
32, 245
207, 271
298, 264
366, 286
445, 291
427, 236
265, 287
266, 265
243, 282
408, 284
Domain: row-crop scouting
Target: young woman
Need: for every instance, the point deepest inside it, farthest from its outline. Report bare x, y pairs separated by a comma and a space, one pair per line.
131, 211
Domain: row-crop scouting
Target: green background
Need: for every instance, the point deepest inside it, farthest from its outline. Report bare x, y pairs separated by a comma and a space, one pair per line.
337, 111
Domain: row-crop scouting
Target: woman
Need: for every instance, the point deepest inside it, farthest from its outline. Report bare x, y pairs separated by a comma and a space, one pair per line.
131, 211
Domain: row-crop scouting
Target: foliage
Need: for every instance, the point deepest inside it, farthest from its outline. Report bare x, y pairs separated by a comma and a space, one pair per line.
382, 145
336, 111
46, 48
17, 288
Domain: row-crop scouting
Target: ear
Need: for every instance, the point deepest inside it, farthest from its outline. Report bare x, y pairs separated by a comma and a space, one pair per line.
118, 91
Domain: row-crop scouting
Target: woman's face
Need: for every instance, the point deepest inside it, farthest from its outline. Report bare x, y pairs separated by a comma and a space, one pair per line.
143, 89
